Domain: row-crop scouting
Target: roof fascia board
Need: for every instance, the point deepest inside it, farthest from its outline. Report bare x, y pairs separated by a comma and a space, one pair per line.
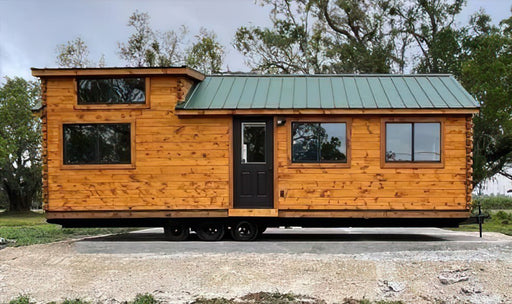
117, 72
184, 112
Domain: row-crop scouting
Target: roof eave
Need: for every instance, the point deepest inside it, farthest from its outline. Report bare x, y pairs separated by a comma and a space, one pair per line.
74, 72
191, 112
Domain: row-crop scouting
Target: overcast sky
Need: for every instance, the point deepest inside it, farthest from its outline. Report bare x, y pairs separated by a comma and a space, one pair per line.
30, 30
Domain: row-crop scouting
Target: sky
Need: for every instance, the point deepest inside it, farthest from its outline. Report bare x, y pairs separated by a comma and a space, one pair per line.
30, 30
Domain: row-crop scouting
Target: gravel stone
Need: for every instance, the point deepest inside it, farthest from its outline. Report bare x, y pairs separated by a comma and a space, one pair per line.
54, 272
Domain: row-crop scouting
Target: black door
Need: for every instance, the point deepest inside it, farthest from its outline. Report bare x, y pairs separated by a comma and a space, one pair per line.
253, 147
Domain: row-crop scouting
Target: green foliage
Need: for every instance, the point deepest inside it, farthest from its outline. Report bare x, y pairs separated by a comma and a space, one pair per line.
498, 222
74, 301
144, 299
487, 74
288, 47
262, 298
357, 35
73, 54
28, 228
319, 37
251, 298
21, 299
492, 202
149, 48
20, 134
213, 301
139, 50
429, 26
206, 54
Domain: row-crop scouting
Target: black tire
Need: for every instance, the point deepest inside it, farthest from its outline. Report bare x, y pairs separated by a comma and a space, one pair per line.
210, 231
244, 231
176, 232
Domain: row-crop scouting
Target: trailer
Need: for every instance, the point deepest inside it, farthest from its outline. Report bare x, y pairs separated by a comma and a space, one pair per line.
218, 154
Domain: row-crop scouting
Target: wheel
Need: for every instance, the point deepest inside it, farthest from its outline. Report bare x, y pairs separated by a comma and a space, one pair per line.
244, 231
176, 232
210, 231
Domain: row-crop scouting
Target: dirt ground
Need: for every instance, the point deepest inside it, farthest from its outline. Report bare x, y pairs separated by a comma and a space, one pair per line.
57, 271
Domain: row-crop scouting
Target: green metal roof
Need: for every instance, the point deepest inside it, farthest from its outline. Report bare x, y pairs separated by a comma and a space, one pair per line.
235, 92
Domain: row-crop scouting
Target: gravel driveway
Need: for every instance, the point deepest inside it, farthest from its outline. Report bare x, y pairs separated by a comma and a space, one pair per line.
424, 267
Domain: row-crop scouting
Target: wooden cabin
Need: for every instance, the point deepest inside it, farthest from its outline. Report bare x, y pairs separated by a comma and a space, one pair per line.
172, 147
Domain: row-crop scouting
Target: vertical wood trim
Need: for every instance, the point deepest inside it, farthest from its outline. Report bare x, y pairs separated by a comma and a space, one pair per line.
275, 165
469, 160
44, 135
230, 163
148, 92
133, 143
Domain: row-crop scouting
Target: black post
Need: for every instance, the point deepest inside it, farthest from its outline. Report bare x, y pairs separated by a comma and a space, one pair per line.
480, 218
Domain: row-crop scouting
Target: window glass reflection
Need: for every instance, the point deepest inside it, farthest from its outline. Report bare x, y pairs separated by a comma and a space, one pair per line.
319, 142
111, 90
427, 139
398, 142
97, 144
416, 142
253, 140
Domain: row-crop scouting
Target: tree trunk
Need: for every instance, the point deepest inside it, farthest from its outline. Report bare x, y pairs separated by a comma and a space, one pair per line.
18, 201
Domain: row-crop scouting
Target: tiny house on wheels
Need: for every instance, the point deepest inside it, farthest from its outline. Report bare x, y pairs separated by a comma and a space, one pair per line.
235, 154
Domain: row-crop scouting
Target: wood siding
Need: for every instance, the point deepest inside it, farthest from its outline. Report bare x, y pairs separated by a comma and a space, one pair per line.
185, 163
368, 184
179, 163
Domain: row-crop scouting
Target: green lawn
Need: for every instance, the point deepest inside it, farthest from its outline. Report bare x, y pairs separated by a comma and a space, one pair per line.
251, 298
500, 221
27, 228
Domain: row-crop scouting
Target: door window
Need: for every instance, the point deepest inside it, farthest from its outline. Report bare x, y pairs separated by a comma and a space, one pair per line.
253, 142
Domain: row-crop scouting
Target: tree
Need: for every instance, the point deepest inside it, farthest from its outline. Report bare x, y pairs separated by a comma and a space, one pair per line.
206, 54
73, 54
487, 75
291, 46
138, 47
320, 36
430, 27
360, 36
20, 135
150, 48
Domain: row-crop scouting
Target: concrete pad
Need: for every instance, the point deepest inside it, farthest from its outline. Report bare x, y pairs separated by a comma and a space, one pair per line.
303, 240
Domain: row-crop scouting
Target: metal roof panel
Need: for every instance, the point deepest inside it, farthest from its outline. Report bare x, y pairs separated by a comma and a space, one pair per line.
405, 94
233, 97
328, 92
433, 96
326, 95
378, 93
287, 93
261, 94
353, 97
395, 100
247, 97
365, 92
300, 92
313, 93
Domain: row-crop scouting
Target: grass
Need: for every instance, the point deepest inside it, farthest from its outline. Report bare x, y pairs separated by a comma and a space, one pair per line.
500, 221
493, 202
28, 228
282, 298
251, 298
